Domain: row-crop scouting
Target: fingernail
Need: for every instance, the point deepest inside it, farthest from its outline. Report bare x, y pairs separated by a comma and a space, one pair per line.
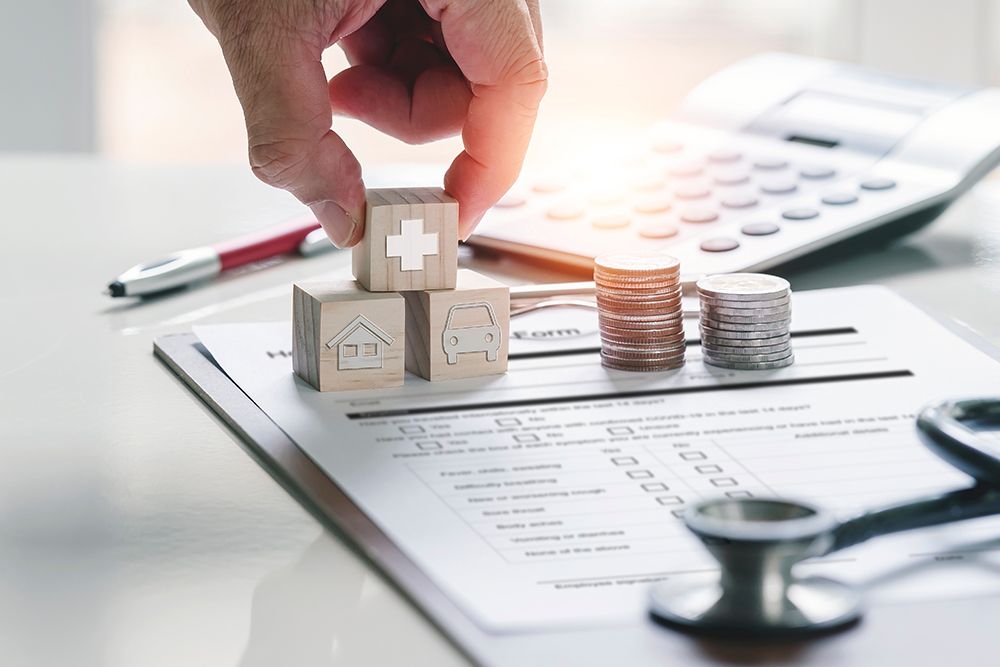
469, 227
342, 228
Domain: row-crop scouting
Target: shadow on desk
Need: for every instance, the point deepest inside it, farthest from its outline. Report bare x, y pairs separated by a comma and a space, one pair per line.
324, 609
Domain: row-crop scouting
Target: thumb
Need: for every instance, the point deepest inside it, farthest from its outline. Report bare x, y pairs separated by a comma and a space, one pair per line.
282, 87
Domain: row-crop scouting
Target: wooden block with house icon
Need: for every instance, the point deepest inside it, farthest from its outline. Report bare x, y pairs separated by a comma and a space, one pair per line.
410, 240
345, 337
458, 333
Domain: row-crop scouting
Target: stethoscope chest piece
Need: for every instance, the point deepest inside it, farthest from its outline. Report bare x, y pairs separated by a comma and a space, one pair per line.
757, 542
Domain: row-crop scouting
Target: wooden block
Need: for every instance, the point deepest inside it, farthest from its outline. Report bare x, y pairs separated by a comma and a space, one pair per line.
410, 241
344, 337
458, 333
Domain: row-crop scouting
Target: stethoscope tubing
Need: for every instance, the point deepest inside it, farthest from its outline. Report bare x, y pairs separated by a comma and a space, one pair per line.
943, 429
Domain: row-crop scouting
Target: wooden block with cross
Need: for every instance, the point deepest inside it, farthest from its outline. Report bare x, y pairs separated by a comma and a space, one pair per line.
410, 241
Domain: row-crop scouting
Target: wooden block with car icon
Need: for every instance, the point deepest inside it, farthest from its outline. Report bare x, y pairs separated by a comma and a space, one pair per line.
459, 333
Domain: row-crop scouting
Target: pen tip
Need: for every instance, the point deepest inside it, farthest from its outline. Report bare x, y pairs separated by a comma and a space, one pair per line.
115, 289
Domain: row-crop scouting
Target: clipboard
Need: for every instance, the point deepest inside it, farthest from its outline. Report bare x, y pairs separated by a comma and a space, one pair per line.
888, 636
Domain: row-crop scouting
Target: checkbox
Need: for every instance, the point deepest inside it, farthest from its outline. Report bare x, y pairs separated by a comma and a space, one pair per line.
693, 456
526, 437
723, 481
678, 513
620, 430
411, 430
739, 494
640, 474
625, 461
708, 468
670, 500
655, 486
508, 421
429, 445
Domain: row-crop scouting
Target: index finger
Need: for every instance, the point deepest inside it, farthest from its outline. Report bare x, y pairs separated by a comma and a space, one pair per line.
495, 45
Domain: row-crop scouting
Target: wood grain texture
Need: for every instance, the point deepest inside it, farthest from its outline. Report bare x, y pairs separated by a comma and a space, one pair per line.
385, 210
325, 312
459, 333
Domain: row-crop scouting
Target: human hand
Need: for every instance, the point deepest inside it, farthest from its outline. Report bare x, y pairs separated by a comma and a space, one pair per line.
419, 71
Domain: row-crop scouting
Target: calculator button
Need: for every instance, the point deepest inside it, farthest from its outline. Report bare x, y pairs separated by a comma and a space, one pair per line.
611, 221
724, 155
770, 163
657, 230
512, 200
878, 184
666, 146
800, 214
687, 168
732, 176
779, 186
720, 244
839, 199
647, 182
691, 191
606, 196
739, 200
653, 204
817, 172
760, 229
699, 215
549, 185
568, 210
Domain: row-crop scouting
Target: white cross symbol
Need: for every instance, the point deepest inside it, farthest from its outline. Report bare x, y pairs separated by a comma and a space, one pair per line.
411, 245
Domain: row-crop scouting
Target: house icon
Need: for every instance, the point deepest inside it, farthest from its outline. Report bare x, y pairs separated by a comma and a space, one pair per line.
360, 344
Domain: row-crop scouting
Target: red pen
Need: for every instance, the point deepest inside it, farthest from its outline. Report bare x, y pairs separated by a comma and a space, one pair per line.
183, 268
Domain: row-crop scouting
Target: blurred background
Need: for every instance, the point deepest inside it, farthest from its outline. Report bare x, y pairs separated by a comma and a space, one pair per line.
144, 81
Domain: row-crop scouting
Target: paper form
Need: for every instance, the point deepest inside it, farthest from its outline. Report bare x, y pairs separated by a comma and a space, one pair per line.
552, 496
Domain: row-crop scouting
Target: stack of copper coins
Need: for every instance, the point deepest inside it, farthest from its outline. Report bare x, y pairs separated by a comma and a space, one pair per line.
640, 313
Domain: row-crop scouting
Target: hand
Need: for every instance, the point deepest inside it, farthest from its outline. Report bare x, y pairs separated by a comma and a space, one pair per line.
419, 71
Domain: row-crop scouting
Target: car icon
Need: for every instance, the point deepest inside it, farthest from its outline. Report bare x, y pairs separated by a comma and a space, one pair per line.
484, 337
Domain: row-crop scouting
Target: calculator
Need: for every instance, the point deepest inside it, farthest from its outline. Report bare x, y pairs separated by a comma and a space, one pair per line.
771, 159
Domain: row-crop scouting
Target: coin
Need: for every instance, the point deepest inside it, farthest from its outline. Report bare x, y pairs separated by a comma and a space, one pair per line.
654, 319
752, 365
743, 286
638, 294
739, 334
645, 304
744, 358
784, 311
723, 302
661, 342
751, 346
640, 289
641, 357
636, 264
644, 339
625, 332
647, 367
776, 326
745, 350
718, 341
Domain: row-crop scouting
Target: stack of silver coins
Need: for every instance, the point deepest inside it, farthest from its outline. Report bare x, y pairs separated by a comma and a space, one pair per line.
640, 313
746, 321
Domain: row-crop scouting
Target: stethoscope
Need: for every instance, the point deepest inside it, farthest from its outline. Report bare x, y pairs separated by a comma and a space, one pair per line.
758, 542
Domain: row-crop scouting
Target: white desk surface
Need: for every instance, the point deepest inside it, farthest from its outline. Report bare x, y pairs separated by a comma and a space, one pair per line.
133, 527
